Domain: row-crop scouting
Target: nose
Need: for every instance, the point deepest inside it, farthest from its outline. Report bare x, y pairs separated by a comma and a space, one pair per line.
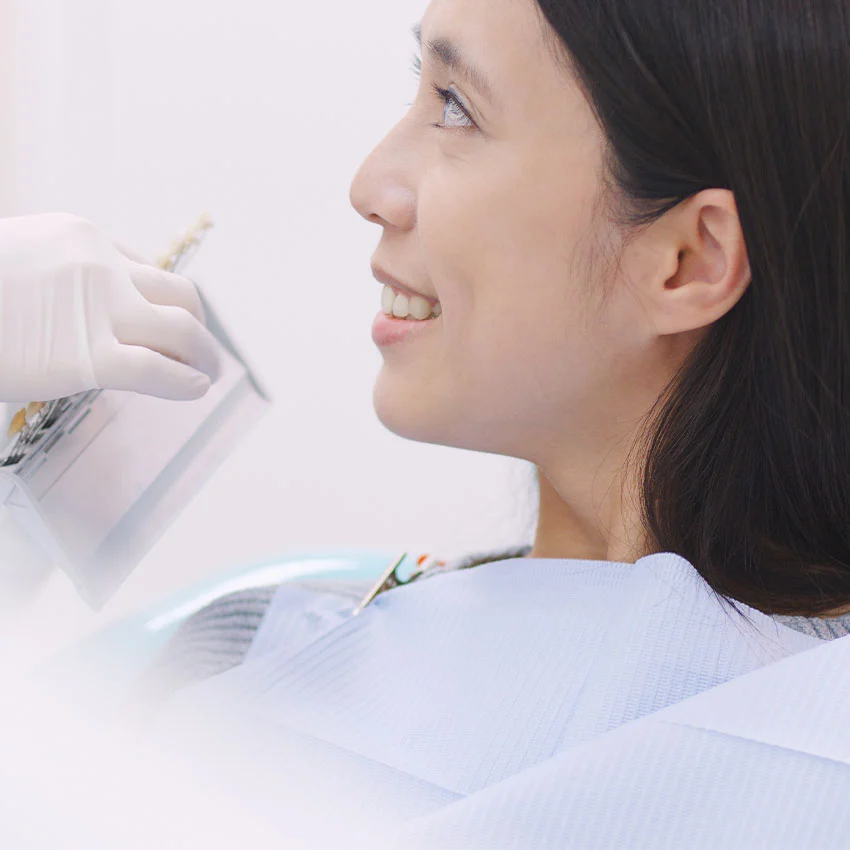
382, 190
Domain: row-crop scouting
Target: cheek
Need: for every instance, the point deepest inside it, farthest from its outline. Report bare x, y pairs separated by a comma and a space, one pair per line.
503, 243
503, 248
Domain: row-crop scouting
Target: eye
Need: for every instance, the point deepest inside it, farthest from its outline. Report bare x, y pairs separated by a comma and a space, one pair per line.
455, 114
452, 105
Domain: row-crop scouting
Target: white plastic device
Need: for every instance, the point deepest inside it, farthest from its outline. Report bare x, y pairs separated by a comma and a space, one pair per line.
107, 472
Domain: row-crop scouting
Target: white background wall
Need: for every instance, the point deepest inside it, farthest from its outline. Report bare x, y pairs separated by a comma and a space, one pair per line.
140, 114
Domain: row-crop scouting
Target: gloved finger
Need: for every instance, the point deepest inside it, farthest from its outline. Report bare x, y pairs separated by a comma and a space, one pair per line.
173, 332
132, 254
141, 370
167, 289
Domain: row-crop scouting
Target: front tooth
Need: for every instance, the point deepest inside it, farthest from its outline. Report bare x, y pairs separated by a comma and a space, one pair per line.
419, 308
404, 307
387, 300
401, 306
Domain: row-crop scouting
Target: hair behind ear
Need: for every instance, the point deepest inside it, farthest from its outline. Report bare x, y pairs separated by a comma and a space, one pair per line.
748, 454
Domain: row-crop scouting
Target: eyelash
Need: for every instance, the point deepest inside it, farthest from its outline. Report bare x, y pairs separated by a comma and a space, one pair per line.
447, 96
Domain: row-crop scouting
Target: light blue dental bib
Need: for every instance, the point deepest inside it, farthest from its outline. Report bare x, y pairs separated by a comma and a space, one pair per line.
445, 687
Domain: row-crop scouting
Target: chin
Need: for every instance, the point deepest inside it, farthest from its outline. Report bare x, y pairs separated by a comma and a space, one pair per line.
409, 414
424, 419
398, 411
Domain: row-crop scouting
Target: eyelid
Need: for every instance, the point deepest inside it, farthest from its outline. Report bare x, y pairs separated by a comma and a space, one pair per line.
451, 96
447, 94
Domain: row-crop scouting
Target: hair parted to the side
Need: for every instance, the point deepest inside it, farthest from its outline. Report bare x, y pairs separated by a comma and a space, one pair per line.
747, 471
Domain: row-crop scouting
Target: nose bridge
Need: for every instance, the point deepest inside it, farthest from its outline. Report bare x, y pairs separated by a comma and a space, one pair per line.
383, 189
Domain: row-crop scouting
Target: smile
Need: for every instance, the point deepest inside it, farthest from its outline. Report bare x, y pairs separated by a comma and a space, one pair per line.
411, 307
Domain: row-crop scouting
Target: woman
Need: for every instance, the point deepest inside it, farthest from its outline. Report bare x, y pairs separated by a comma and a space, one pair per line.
621, 230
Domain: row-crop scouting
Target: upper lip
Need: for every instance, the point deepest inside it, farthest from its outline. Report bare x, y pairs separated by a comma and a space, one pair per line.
384, 277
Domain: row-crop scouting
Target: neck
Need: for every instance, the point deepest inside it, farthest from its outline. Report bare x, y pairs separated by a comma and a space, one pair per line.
563, 532
575, 522
589, 483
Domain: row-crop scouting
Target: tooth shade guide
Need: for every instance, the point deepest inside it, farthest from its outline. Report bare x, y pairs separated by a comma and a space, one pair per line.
19, 420
181, 249
29, 421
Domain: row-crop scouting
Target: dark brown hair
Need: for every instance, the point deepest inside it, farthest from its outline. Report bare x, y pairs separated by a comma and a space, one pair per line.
748, 451
748, 457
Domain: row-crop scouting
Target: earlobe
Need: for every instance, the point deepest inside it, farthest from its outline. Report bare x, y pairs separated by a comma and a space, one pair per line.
712, 268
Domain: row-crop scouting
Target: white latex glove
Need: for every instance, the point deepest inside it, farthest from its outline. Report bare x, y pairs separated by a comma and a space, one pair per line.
77, 313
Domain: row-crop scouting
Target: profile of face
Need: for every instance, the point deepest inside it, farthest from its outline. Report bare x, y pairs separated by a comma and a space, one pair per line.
488, 195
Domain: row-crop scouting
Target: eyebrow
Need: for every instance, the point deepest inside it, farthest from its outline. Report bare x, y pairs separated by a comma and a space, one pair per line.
448, 54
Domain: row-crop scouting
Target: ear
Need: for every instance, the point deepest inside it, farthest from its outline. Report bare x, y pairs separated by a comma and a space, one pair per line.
703, 268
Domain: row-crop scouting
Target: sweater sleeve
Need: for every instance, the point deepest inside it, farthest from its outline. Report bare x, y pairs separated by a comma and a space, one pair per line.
210, 641
215, 639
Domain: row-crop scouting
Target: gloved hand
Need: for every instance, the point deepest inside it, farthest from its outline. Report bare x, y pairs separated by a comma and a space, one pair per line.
77, 313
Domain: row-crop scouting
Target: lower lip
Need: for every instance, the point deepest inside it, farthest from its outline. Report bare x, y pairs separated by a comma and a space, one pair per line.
388, 330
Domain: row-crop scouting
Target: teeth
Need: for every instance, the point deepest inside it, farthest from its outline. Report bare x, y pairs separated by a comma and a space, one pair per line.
401, 306
419, 307
404, 307
387, 298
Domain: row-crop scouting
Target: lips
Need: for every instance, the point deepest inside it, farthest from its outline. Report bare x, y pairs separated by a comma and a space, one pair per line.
388, 280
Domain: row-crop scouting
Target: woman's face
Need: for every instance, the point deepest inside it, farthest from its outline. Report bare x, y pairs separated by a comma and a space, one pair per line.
493, 214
